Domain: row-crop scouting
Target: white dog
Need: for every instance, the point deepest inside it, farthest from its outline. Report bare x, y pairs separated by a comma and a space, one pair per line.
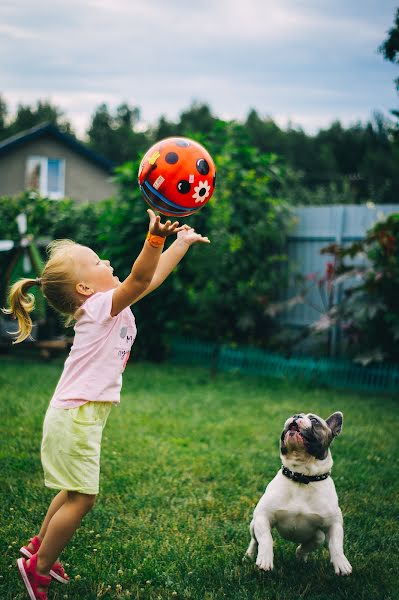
301, 501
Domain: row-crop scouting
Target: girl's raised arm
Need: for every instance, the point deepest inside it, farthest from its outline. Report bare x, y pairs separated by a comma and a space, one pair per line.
145, 264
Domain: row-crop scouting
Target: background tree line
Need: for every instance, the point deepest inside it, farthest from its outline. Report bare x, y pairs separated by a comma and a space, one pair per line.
338, 164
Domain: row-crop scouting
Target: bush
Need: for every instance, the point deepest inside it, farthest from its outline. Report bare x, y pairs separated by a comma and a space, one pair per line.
368, 315
364, 321
218, 292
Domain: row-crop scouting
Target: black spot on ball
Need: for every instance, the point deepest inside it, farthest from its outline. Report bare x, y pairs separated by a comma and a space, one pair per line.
202, 192
171, 158
183, 186
182, 143
202, 166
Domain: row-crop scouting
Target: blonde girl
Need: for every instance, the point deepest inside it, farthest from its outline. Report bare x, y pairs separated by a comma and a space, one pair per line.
82, 286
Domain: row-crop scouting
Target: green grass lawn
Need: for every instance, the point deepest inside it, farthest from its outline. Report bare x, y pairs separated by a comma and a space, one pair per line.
184, 461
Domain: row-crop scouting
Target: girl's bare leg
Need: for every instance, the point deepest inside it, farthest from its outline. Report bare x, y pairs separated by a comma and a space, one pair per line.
55, 505
61, 527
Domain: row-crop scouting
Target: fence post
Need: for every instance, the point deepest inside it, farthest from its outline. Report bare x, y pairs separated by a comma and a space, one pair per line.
337, 290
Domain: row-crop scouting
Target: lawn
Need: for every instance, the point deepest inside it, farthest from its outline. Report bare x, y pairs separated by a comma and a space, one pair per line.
185, 458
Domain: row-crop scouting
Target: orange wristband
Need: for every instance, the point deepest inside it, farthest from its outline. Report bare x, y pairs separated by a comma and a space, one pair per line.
156, 241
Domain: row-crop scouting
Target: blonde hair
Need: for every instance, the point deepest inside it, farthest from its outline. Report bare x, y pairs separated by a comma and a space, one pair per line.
57, 282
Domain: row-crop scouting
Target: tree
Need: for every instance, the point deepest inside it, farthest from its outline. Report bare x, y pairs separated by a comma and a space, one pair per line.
390, 47
115, 136
163, 129
219, 293
265, 134
28, 116
198, 118
390, 51
3, 116
336, 165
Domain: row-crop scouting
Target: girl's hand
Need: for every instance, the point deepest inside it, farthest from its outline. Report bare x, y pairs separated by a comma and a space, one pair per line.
190, 236
158, 228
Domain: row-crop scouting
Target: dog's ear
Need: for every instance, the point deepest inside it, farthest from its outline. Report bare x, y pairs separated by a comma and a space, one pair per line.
334, 422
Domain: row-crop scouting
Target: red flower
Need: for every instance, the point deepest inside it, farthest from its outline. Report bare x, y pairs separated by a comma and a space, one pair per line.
330, 271
387, 241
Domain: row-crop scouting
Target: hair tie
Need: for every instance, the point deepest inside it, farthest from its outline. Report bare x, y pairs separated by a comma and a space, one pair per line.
38, 281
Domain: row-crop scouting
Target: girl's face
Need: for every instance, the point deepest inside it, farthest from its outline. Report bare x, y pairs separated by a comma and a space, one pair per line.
94, 274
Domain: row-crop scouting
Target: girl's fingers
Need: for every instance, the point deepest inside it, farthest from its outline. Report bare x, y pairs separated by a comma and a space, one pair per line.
151, 216
172, 227
201, 238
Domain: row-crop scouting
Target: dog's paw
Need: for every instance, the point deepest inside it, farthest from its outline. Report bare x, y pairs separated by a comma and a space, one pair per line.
265, 561
342, 565
300, 554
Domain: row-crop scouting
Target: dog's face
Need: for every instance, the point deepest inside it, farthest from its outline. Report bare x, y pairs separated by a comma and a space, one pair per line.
310, 434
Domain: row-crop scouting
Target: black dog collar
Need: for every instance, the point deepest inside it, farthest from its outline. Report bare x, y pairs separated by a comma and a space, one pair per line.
300, 477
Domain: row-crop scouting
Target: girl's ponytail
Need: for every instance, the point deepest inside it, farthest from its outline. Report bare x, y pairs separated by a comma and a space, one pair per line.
21, 304
58, 285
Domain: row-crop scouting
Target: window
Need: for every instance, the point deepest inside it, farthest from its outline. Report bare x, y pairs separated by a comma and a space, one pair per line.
46, 176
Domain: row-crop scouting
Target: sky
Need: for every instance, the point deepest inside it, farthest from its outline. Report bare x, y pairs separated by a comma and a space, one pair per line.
300, 62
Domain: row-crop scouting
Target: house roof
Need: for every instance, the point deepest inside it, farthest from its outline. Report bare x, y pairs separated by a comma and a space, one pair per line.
65, 138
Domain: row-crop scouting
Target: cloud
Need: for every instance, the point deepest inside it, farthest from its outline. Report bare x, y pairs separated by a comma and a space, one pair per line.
295, 57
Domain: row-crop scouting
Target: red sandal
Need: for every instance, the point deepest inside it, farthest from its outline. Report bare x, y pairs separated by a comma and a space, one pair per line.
57, 570
32, 579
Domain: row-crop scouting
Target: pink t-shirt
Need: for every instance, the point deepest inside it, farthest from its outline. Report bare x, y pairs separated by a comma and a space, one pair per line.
101, 348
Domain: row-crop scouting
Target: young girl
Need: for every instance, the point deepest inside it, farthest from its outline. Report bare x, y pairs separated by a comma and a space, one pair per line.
80, 285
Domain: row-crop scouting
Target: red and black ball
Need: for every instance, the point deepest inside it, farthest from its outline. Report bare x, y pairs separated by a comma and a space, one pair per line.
177, 177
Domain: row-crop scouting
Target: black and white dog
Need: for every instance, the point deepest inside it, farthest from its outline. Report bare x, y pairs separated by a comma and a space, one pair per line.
301, 501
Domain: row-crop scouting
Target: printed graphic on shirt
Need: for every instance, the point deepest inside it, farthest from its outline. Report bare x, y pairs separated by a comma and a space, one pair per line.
127, 339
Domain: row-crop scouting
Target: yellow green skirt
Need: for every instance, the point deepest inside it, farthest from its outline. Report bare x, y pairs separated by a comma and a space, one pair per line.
71, 446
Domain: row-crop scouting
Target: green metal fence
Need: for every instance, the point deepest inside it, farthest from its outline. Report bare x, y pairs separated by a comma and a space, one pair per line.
253, 361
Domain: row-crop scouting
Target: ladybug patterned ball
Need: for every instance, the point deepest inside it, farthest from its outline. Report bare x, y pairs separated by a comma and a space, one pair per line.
177, 177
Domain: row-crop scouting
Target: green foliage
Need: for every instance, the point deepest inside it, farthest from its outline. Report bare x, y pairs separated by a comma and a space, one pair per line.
390, 47
3, 116
369, 315
336, 165
115, 136
47, 220
198, 118
50, 219
218, 292
359, 301
246, 264
27, 116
